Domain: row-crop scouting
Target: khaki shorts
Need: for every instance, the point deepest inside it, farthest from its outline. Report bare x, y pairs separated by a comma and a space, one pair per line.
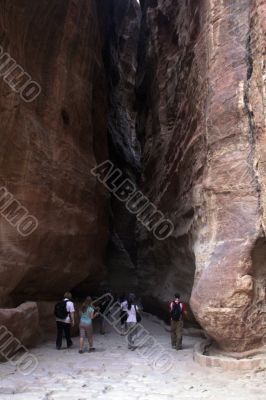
85, 330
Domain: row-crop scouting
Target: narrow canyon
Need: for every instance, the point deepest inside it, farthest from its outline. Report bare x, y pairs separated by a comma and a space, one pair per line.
173, 93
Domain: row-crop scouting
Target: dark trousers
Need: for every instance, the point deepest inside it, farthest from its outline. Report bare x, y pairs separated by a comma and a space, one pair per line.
62, 327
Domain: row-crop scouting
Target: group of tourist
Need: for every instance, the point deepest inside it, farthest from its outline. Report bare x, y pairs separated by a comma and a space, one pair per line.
129, 317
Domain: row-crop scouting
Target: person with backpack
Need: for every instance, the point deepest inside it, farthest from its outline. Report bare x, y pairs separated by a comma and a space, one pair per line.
133, 318
177, 309
65, 318
87, 314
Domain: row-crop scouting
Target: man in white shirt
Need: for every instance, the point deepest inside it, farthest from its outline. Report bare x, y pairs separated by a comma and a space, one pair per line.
131, 309
64, 324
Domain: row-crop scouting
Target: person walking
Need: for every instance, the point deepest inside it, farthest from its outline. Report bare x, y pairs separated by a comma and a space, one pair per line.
177, 310
65, 318
133, 318
87, 314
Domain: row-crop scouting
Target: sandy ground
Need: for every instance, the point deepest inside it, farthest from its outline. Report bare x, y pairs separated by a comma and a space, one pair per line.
114, 372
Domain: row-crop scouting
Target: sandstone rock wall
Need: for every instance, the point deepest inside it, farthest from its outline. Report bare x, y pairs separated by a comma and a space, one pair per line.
49, 146
201, 91
229, 290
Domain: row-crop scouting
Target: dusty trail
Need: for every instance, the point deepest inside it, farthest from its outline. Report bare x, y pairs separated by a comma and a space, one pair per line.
113, 372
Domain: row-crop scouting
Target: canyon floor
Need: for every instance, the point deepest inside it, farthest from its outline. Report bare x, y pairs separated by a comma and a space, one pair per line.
114, 372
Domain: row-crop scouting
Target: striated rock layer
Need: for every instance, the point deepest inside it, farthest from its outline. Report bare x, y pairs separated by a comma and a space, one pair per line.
201, 97
49, 146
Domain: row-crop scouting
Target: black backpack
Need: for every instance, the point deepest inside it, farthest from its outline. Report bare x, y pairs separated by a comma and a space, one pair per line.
176, 311
60, 309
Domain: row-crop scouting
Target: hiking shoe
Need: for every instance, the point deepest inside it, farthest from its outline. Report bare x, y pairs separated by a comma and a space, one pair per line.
81, 351
91, 349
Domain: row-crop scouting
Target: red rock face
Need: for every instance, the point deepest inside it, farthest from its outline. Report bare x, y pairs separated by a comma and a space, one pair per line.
202, 122
50, 145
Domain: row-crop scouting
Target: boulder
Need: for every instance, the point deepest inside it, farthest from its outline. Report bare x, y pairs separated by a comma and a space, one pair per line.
18, 326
